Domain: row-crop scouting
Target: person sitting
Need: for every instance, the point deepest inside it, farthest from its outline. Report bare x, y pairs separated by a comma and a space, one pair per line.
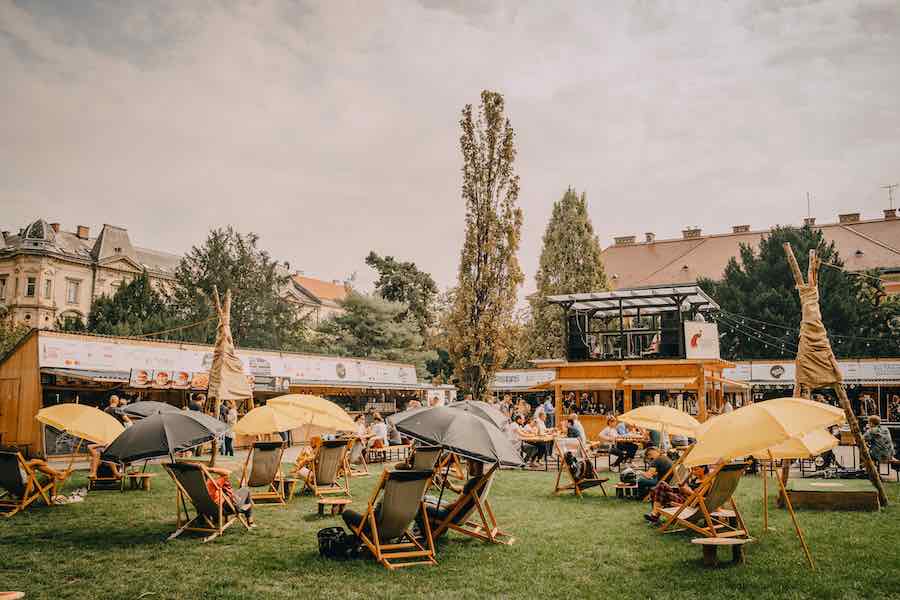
667, 494
571, 430
881, 446
240, 499
624, 451
659, 466
579, 428
379, 437
393, 435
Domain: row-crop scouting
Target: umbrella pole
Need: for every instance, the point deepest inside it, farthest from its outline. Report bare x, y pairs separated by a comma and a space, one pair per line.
790, 507
444, 482
72, 457
765, 475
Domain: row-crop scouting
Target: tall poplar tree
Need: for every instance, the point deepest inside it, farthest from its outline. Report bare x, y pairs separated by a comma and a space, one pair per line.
570, 264
480, 321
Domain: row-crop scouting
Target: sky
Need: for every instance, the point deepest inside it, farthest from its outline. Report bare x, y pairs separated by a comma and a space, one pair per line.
331, 128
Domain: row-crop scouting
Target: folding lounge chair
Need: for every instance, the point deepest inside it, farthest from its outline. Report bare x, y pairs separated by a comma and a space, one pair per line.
703, 511
194, 483
21, 485
106, 478
423, 458
574, 445
384, 528
324, 474
460, 515
262, 469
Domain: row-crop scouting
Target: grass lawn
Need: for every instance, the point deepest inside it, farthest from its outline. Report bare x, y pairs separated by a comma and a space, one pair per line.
112, 546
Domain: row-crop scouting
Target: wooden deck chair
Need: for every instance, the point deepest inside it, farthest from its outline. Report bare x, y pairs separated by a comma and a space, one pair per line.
423, 458
384, 528
327, 472
703, 511
356, 458
678, 473
449, 472
21, 484
213, 514
106, 478
578, 485
471, 513
262, 469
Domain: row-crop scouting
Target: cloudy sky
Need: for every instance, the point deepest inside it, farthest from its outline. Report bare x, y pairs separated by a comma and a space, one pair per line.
331, 128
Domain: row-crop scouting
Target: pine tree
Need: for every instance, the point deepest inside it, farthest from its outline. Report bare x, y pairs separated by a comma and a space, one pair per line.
480, 322
570, 264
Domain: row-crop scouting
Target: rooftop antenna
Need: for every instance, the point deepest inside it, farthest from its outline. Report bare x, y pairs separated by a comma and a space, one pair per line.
890, 188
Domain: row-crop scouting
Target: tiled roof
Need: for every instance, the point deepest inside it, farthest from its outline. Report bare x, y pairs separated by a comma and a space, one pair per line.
862, 245
325, 291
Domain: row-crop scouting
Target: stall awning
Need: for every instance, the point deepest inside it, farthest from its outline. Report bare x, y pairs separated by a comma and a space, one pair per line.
360, 385
86, 375
580, 384
661, 383
729, 382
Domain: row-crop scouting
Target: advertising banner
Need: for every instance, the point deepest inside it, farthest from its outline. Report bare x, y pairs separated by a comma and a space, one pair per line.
701, 339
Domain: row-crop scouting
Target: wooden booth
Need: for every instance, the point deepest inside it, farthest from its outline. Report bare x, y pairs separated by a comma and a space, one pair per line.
638, 346
50, 367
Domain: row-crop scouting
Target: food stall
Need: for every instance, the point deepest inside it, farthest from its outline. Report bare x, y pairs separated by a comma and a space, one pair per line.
51, 367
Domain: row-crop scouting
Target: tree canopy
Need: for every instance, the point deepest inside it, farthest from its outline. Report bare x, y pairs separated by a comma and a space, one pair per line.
260, 316
135, 309
480, 327
761, 309
405, 282
570, 263
372, 327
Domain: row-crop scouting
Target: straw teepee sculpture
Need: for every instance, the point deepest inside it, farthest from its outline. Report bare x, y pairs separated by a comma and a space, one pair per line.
816, 365
227, 380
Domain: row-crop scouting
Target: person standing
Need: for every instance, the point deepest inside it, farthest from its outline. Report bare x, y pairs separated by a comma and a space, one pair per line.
231, 417
550, 412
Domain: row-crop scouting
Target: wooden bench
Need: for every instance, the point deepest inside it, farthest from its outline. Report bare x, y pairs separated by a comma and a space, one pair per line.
337, 505
139, 481
388, 453
711, 545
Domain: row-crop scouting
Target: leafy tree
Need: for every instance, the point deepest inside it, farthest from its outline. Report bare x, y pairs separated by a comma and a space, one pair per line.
404, 282
260, 316
10, 333
480, 322
760, 289
135, 309
372, 327
570, 263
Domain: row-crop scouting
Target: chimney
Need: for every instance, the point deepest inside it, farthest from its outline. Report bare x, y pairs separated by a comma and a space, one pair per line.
83, 232
809, 221
649, 237
890, 213
625, 240
740, 228
54, 227
691, 233
849, 218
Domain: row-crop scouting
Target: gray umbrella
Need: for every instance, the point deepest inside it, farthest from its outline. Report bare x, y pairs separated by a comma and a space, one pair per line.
483, 410
163, 434
459, 431
146, 408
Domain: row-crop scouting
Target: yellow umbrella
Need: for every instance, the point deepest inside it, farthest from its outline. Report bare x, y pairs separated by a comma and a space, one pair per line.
82, 421
264, 420
759, 427
315, 411
660, 417
808, 445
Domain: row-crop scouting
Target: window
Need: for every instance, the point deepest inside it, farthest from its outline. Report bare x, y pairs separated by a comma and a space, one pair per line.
30, 287
73, 291
48, 288
3, 287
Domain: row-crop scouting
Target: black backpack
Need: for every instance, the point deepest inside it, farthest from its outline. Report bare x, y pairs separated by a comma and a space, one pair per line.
337, 544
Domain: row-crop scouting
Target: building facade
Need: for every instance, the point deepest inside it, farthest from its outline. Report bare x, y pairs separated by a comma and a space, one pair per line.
863, 244
48, 275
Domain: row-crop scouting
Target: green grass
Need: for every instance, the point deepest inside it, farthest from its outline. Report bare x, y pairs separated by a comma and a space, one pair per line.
112, 546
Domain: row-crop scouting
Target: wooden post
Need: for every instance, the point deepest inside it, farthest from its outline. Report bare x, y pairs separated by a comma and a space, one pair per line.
765, 475
702, 413
790, 507
626, 398
838, 388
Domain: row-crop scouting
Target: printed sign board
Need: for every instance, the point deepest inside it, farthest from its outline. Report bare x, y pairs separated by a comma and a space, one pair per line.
701, 339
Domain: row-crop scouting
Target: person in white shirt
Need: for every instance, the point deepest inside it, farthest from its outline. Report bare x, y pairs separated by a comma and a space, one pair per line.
728, 407
379, 433
577, 424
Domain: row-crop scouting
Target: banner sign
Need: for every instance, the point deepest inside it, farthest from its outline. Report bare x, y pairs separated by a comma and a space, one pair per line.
522, 380
153, 366
701, 339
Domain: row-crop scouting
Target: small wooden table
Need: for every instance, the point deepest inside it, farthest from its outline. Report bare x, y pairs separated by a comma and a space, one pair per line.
139, 480
337, 505
711, 545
